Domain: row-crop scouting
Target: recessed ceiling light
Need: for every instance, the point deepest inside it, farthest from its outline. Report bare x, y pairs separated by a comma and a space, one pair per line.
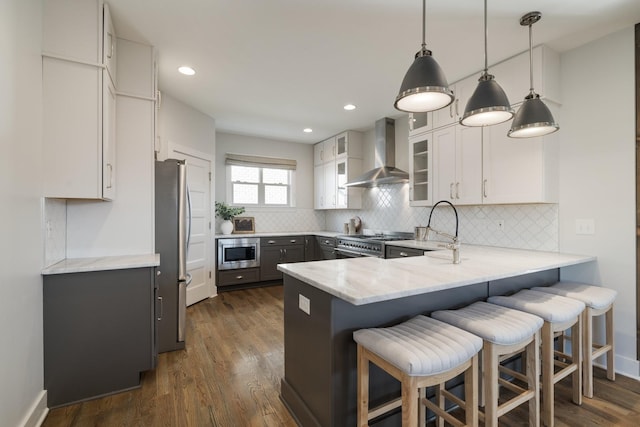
187, 71
349, 107
307, 130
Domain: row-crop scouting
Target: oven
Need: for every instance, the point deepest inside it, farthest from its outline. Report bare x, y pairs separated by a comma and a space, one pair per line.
238, 253
358, 246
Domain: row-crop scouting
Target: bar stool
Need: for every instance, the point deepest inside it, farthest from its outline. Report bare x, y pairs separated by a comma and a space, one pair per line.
559, 314
505, 332
420, 352
599, 301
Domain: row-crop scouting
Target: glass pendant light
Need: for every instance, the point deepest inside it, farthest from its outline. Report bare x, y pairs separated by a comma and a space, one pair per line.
533, 118
489, 104
425, 87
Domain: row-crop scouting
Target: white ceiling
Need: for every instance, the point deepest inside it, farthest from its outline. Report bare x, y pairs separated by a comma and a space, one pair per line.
272, 68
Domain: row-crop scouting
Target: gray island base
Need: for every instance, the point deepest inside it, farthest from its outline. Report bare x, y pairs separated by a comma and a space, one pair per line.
324, 302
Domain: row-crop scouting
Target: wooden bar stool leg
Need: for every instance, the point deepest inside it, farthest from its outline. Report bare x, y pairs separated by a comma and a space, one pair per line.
547, 374
611, 364
491, 373
441, 403
363, 389
422, 410
576, 357
471, 393
587, 350
533, 379
409, 401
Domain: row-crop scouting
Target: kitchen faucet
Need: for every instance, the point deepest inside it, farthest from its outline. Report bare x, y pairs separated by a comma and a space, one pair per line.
455, 243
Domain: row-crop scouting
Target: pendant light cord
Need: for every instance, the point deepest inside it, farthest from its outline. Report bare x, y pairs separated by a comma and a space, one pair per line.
486, 36
424, 25
531, 59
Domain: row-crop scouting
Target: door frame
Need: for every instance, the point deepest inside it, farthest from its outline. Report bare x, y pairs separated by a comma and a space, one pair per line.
174, 149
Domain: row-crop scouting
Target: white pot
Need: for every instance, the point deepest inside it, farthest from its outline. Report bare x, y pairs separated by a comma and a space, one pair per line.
226, 227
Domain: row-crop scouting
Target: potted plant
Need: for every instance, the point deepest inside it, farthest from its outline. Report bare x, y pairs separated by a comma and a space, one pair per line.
227, 213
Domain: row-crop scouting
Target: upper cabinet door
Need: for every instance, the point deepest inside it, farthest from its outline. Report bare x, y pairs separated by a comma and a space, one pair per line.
108, 138
109, 45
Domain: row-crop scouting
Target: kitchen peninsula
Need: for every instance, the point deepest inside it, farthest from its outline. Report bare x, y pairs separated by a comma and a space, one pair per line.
324, 302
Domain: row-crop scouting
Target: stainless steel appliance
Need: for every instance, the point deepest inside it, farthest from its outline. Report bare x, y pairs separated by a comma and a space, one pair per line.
238, 253
172, 230
350, 246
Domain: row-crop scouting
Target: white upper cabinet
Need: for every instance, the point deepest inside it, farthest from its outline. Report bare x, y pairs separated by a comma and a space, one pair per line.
462, 90
79, 100
458, 164
336, 161
519, 170
420, 169
420, 122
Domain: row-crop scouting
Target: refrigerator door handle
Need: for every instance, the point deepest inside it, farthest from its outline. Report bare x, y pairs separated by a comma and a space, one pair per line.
183, 225
189, 216
182, 309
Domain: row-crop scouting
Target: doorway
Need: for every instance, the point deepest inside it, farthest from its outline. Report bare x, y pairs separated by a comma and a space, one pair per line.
200, 248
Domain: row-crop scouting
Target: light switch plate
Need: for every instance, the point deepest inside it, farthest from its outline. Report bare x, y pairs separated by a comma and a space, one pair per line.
585, 226
304, 304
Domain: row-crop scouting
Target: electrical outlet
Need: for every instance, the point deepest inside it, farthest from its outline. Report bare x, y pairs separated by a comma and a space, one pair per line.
500, 224
304, 304
585, 226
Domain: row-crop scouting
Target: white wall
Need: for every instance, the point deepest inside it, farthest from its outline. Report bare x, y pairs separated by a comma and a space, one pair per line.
597, 173
21, 247
181, 124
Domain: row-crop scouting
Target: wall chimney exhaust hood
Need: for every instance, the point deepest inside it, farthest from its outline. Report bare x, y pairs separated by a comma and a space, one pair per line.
385, 171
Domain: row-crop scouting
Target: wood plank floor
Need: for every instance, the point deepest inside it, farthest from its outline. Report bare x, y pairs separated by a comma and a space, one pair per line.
229, 376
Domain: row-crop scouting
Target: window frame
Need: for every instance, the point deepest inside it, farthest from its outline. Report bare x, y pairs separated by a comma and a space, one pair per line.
261, 188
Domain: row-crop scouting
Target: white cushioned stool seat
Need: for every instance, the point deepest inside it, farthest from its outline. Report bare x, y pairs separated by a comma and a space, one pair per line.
552, 308
505, 332
493, 323
420, 353
595, 297
599, 302
420, 346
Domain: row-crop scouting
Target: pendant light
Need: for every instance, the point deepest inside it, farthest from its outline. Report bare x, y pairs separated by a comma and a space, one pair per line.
489, 104
425, 87
533, 118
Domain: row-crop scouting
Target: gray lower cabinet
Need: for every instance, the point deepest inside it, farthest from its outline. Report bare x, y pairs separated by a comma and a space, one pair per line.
327, 247
238, 277
279, 250
312, 250
99, 332
400, 252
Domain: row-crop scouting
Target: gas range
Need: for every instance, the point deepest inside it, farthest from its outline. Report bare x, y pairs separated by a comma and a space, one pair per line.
360, 245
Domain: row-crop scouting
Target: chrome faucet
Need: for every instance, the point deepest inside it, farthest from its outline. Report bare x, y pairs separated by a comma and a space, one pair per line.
455, 243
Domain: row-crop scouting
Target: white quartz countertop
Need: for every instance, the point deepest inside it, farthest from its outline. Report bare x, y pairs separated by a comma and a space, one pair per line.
368, 280
80, 265
279, 234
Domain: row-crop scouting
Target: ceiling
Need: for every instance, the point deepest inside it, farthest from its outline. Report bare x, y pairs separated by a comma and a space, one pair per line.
272, 68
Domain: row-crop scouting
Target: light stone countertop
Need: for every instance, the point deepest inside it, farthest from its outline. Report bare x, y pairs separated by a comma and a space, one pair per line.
279, 234
368, 280
80, 265
427, 245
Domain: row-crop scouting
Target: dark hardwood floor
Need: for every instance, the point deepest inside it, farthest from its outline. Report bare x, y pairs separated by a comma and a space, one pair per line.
229, 376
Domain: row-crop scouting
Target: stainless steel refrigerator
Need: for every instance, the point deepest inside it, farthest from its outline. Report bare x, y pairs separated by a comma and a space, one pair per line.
172, 229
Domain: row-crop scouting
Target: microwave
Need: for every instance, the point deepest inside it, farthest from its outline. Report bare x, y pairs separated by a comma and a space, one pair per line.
238, 253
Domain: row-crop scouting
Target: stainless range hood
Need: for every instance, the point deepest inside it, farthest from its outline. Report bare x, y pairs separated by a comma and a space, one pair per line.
385, 171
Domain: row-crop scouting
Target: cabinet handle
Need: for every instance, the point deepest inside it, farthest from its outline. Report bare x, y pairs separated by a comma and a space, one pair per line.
484, 188
326, 242
292, 241
457, 102
110, 175
404, 254
161, 309
451, 191
457, 190
285, 253
239, 277
451, 110
271, 242
110, 37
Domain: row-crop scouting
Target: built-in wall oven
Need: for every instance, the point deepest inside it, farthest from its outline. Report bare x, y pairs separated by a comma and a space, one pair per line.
238, 253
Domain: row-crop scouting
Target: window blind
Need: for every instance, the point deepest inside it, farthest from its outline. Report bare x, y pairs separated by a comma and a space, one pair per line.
260, 161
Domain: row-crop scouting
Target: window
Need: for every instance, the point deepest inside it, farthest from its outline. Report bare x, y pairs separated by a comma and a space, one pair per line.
260, 181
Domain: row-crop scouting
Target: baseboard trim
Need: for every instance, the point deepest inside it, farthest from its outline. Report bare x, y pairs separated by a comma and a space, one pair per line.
627, 367
37, 413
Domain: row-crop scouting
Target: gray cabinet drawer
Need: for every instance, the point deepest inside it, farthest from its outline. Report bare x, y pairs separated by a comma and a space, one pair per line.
239, 276
281, 241
399, 252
